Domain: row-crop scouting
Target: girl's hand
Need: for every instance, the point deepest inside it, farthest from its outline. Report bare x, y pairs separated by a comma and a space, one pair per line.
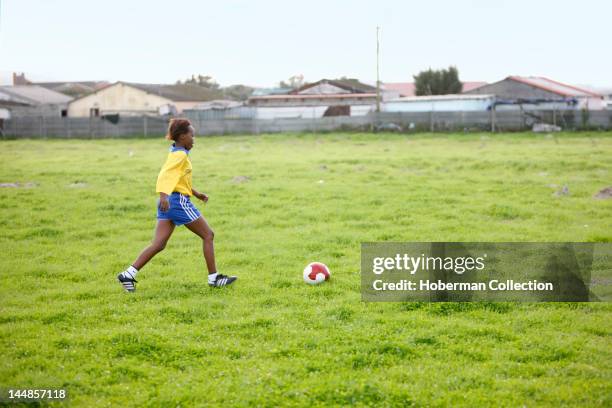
202, 196
163, 202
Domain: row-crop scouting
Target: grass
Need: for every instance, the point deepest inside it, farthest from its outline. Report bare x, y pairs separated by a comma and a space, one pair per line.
272, 340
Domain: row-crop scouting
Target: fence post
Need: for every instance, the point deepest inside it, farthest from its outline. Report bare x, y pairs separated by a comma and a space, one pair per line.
144, 123
493, 118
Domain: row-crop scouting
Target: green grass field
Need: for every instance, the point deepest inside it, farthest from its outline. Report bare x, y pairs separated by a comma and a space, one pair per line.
278, 202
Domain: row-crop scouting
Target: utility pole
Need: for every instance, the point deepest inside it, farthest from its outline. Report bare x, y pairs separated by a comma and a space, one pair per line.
377, 71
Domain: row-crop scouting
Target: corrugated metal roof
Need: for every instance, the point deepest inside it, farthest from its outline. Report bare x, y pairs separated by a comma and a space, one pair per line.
408, 88
7, 99
93, 85
554, 86
404, 88
178, 92
36, 95
449, 97
175, 93
271, 91
324, 96
351, 85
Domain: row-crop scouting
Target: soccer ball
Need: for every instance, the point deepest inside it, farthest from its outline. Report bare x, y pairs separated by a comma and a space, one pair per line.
316, 273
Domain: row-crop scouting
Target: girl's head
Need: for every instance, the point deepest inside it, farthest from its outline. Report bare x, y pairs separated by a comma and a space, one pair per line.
182, 132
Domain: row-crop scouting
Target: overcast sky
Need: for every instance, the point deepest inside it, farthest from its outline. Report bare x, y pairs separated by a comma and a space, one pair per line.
261, 42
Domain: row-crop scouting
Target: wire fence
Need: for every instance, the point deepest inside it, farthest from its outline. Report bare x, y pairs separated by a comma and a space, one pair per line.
129, 126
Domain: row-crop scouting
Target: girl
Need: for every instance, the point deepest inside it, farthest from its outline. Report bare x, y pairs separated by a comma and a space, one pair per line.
175, 208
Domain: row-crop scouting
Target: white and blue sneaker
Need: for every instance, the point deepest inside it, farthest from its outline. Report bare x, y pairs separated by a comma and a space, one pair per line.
222, 280
127, 281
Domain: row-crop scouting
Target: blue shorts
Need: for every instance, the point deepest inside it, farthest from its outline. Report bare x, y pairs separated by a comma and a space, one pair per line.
181, 211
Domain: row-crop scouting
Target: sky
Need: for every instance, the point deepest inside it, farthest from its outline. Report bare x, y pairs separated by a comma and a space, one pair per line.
259, 43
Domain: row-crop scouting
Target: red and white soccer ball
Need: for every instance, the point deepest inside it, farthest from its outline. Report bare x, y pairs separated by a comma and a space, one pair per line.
315, 273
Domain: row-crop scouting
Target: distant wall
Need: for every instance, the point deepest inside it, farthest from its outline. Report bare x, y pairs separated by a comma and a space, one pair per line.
442, 105
46, 110
117, 98
403, 121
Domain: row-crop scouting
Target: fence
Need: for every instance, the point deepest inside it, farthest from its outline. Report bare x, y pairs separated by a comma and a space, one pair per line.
398, 121
93, 127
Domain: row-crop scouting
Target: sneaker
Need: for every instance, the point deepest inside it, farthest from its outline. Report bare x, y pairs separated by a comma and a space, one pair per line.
127, 283
222, 280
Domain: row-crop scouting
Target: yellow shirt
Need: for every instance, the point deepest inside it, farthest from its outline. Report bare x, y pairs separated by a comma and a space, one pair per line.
175, 175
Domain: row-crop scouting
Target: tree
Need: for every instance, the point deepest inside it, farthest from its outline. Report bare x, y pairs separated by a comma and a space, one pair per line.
233, 92
294, 82
438, 82
205, 81
237, 92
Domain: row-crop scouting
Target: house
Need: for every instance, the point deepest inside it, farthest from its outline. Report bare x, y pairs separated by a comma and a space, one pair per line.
541, 92
409, 89
128, 98
327, 97
74, 89
34, 100
8, 103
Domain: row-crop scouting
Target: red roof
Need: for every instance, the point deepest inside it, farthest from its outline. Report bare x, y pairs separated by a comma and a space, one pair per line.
554, 86
407, 88
404, 88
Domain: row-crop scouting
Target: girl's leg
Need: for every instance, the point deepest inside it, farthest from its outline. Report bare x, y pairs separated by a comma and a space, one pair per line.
201, 228
163, 231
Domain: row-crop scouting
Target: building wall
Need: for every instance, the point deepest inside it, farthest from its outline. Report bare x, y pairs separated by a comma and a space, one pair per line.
310, 102
305, 112
592, 103
117, 98
181, 106
47, 110
362, 110
450, 105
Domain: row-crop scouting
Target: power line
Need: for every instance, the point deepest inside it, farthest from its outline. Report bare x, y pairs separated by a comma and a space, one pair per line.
377, 71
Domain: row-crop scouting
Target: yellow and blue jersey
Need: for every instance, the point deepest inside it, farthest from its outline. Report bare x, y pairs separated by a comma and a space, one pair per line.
175, 175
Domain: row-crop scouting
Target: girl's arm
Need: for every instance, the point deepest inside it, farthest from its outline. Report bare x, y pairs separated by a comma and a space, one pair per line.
199, 195
164, 204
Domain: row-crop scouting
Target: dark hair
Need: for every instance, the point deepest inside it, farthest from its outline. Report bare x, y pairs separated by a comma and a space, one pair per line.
178, 127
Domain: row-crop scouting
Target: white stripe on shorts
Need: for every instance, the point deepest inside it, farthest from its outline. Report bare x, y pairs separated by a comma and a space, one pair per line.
190, 213
182, 203
188, 204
